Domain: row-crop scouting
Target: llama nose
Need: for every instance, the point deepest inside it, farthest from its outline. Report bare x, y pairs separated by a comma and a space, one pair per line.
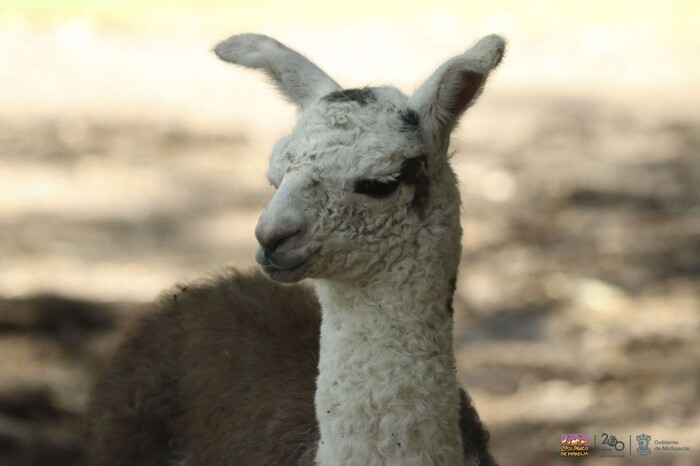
276, 235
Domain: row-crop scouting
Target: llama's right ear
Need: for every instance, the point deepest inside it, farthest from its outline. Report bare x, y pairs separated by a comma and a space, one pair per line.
296, 77
453, 87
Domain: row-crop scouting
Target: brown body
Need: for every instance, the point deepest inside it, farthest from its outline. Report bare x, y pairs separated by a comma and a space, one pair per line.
222, 374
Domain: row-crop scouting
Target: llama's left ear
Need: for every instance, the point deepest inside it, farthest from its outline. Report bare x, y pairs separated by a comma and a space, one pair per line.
453, 87
295, 76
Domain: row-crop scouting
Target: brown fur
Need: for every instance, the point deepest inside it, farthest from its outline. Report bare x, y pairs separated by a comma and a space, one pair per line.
223, 374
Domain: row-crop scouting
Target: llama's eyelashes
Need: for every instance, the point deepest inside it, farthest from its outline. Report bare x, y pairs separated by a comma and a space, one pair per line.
377, 188
387, 178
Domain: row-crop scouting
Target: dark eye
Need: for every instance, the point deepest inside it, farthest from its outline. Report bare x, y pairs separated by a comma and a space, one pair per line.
377, 188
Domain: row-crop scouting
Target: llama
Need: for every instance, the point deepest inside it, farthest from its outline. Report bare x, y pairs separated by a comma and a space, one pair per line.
246, 370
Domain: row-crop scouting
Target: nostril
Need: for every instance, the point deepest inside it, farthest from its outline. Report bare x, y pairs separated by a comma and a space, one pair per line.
275, 241
274, 230
283, 238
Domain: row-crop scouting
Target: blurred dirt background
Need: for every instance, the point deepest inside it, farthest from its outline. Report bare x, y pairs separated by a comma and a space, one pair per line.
130, 160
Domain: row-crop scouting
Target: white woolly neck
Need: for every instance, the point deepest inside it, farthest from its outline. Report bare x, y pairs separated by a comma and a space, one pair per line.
387, 390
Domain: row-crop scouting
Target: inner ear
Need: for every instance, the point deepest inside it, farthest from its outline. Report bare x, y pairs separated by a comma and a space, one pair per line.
470, 84
454, 87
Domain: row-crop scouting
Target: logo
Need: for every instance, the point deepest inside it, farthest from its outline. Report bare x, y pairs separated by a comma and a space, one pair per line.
643, 444
611, 446
574, 445
612, 441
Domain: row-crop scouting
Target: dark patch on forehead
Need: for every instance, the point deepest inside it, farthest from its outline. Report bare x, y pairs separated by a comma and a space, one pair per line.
414, 172
410, 121
362, 96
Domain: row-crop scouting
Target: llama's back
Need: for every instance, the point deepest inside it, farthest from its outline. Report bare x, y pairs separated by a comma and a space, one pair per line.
223, 373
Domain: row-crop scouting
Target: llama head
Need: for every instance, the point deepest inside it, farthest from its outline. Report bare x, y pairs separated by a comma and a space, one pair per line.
363, 182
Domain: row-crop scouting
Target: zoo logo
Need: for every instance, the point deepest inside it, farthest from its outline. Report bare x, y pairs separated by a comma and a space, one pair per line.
573, 445
643, 444
612, 441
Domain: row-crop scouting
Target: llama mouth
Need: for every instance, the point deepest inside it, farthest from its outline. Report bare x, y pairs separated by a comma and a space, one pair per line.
288, 268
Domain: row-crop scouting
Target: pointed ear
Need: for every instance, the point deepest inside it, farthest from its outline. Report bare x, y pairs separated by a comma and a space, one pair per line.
455, 86
296, 77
